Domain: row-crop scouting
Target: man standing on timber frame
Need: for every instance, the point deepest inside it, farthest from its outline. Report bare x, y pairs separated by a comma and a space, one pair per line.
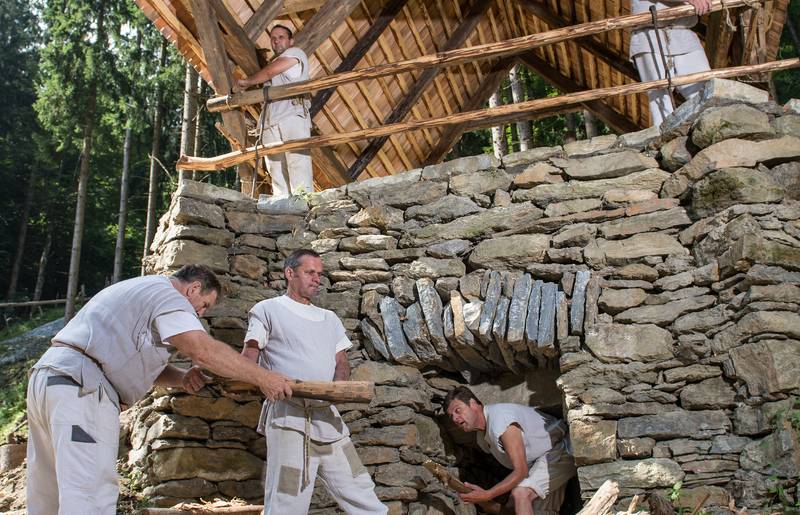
290, 335
683, 52
534, 445
111, 354
286, 119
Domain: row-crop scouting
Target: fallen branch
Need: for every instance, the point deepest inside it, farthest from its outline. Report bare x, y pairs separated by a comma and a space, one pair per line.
332, 391
453, 483
199, 509
463, 55
479, 118
602, 500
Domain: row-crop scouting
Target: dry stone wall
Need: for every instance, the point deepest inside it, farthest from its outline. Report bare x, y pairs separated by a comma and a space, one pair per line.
657, 276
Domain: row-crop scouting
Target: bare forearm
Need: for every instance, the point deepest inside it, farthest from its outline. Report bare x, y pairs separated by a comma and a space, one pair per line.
220, 359
342, 372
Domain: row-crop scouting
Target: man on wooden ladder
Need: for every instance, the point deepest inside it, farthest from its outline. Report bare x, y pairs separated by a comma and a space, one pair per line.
286, 119
663, 53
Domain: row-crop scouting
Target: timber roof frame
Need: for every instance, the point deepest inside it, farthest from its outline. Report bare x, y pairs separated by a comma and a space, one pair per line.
231, 41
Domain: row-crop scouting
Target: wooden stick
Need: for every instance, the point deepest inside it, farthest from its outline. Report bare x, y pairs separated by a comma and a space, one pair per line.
634, 503
701, 503
333, 391
462, 55
453, 483
5, 305
199, 510
602, 500
479, 118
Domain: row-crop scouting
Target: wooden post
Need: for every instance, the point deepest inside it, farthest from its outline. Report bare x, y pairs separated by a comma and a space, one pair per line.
463, 55
480, 118
332, 391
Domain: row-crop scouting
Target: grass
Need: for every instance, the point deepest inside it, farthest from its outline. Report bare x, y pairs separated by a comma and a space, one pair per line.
23, 325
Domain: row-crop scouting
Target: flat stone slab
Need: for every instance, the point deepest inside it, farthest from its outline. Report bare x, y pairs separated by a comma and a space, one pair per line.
544, 194
510, 251
617, 343
733, 121
606, 166
622, 252
675, 424
632, 474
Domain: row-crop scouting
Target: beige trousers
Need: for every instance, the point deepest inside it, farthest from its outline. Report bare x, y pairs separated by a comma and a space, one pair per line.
337, 463
291, 172
548, 477
72, 448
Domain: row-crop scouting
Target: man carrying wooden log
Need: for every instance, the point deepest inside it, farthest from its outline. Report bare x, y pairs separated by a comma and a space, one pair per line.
286, 119
108, 356
290, 335
534, 445
659, 53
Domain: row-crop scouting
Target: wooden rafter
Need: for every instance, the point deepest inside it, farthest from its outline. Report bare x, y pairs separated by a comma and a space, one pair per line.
323, 23
388, 13
591, 44
458, 38
239, 46
489, 85
261, 18
601, 109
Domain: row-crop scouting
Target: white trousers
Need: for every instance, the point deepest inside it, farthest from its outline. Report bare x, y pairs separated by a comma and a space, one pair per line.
337, 463
548, 477
72, 448
290, 171
651, 67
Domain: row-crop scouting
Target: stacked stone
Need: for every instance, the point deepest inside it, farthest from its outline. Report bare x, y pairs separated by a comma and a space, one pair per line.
659, 269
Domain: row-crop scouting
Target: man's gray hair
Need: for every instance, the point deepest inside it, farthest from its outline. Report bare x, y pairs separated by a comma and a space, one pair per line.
293, 260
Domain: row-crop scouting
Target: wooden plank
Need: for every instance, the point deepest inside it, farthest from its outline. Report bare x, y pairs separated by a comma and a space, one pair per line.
483, 117
488, 85
459, 36
240, 48
323, 23
463, 55
602, 110
360, 49
261, 18
719, 38
591, 44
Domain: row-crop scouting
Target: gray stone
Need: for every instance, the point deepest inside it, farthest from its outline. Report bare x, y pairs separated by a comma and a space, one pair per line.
733, 186
606, 166
729, 444
481, 225
383, 217
538, 173
578, 306
674, 153
460, 166
449, 249
577, 235
391, 312
515, 161
753, 248
209, 193
640, 139
374, 339
546, 193
390, 436
787, 125
751, 324
636, 271
692, 373
562, 317
261, 223
761, 274
573, 206
367, 243
248, 266
177, 253
498, 333
517, 312
204, 463
491, 300
588, 147
675, 424
634, 448
775, 293
787, 176
198, 233
532, 318
432, 268
615, 343
622, 252
547, 315
443, 209
403, 290
624, 198
431, 305
768, 366
712, 393
416, 333
702, 321
459, 335
194, 487
631, 475
649, 222
483, 182
568, 255
733, 121
593, 442
664, 314
719, 239
510, 251
294, 205
775, 454
349, 263
615, 301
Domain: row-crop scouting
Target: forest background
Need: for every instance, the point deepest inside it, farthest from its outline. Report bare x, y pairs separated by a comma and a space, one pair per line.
92, 93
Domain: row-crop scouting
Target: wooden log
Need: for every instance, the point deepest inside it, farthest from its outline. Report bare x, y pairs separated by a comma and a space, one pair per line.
322, 24
453, 483
261, 18
198, 509
333, 391
482, 118
463, 55
602, 501
6, 305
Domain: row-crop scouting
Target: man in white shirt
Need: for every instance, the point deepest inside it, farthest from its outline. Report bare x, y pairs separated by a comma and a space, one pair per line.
682, 49
286, 119
290, 335
534, 445
113, 351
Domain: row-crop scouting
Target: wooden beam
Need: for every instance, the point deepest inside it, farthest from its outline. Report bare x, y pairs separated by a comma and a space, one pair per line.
562, 83
219, 69
464, 30
591, 43
261, 18
481, 118
360, 49
489, 85
463, 55
240, 48
323, 23
719, 38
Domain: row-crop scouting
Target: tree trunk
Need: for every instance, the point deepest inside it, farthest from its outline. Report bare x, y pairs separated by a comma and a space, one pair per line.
518, 94
189, 120
22, 235
198, 126
572, 124
40, 274
122, 220
155, 152
590, 124
499, 143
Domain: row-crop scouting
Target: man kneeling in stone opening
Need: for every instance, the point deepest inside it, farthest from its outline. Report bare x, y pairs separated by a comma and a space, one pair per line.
533, 444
